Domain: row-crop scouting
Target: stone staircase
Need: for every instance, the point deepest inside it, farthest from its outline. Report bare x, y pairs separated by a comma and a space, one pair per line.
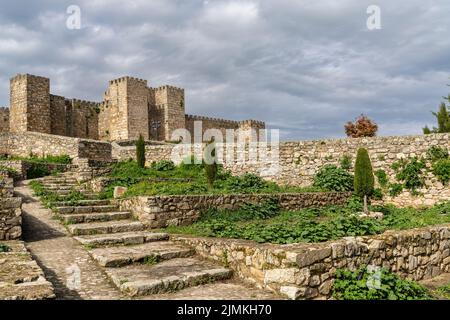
139, 262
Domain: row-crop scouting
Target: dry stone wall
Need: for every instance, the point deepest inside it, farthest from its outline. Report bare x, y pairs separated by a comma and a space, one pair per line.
299, 161
10, 211
307, 271
163, 211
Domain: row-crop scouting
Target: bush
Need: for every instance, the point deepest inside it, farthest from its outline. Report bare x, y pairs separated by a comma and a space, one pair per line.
441, 169
395, 189
381, 285
364, 180
410, 173
4, 248
346, 162
363, 127
140, 151
332, 178
382, 177
435, 153
163, 165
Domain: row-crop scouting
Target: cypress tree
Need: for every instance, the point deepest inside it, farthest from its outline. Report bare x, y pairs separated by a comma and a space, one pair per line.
140, 151
210, 162
364, 180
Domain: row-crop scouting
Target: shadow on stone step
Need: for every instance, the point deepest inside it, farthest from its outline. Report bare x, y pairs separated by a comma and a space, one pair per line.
34, 229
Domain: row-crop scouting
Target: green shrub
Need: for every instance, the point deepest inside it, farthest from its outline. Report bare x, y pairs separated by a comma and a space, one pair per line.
364, 180
395, 189
435, 153
377, 194
365, 285
346, 162
163, 165
332, 178
441, 169
4, 248
140, 151
382, 177
410, 173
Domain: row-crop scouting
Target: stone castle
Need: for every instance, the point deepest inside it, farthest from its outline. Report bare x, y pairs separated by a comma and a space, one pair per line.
129, 108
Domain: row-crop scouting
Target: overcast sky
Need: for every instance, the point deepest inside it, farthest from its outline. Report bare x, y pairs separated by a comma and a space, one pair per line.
303, 66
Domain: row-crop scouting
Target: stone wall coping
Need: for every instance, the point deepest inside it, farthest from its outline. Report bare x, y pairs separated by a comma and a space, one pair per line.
297, 249
180, 196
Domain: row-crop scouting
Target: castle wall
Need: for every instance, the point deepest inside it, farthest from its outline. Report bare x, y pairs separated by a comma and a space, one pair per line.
4, 119
210, 123
58, 115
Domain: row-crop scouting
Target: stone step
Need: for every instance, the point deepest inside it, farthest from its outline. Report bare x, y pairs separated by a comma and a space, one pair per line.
95, 217
63, 186
105, 227
59, 180
223, 290
82, 203
167, 276
86, 209
151, 251
125, 238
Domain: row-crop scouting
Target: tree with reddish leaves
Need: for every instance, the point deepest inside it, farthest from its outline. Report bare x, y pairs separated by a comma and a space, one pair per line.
362, 127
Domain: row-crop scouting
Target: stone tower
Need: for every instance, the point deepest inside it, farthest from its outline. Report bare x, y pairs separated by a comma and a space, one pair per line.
125, 110
30, 104
170, 100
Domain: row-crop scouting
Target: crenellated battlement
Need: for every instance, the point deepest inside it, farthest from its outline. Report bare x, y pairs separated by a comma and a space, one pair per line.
127, 78
127, 111
205, 118
167, 87
22, 77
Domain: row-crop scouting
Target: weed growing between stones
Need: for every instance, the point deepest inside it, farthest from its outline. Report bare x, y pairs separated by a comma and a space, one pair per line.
151, 260
4, 248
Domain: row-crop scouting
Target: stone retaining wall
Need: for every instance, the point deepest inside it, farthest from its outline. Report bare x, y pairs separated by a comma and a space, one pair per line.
162, 211
307, 271
40, 144
10, 212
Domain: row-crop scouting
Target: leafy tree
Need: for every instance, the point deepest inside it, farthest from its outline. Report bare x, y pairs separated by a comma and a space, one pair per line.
442, 118
363, 127
140, 151
210, 162
364, 180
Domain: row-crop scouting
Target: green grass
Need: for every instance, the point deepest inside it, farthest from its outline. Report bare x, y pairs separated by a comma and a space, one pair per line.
62, 159
443, 291
48, 197
186, 179
4, 248
266, 223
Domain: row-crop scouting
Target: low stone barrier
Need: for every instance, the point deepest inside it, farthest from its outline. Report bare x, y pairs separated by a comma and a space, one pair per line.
307, 271
10, 211
163, 211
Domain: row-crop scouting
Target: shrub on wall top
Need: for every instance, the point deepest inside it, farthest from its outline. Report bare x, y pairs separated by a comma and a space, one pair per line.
332, 178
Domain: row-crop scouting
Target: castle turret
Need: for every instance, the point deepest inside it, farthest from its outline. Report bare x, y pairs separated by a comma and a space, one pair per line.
30, 104
171, 101
125, 113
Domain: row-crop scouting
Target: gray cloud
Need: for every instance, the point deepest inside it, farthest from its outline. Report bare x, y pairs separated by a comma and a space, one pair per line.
305, 67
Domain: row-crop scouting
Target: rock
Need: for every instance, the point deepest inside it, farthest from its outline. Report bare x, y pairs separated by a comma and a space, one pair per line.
372, 215
119, 192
